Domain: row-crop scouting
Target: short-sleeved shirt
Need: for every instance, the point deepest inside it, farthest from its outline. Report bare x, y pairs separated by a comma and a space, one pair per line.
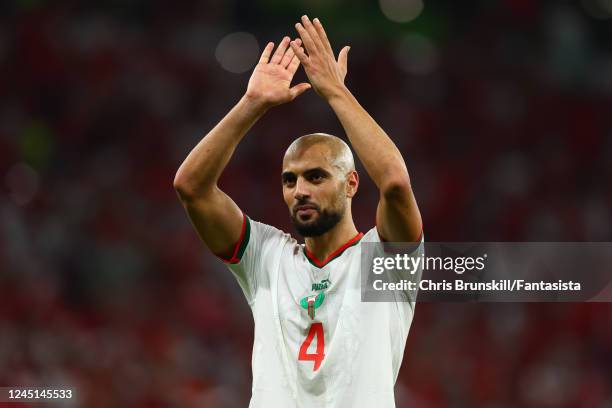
311, 352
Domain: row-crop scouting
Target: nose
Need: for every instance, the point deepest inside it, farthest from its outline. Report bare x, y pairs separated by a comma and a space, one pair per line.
301, 189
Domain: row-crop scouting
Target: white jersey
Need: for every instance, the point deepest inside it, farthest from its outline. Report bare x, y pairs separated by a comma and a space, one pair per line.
316, 344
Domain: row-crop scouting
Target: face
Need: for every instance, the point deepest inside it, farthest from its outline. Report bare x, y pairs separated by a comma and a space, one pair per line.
314, 190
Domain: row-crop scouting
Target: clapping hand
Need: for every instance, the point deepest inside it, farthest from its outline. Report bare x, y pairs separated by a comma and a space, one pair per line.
270, 83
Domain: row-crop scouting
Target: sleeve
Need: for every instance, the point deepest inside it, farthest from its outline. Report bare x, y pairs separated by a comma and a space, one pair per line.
253, 255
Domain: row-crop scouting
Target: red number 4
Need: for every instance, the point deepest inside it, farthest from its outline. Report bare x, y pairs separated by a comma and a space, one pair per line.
316, 329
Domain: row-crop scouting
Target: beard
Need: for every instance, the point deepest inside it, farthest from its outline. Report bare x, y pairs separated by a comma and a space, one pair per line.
326, 220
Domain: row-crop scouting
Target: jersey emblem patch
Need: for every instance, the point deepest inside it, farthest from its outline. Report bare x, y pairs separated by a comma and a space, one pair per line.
312, 302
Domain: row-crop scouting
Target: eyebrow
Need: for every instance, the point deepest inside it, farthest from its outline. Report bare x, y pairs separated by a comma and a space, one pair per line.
286, 174
315, 170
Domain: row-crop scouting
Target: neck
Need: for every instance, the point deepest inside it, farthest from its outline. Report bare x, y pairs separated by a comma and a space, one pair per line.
323, 245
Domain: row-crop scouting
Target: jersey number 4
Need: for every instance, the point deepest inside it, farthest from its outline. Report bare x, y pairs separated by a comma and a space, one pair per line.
316, 329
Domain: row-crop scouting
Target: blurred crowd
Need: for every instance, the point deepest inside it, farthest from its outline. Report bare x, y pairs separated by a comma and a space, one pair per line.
502, 110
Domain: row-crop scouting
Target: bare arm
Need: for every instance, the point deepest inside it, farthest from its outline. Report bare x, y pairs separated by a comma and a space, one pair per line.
215, 216
397, 216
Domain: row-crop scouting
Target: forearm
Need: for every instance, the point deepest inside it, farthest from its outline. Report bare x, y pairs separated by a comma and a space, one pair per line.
397, 216
201, 170
379, 155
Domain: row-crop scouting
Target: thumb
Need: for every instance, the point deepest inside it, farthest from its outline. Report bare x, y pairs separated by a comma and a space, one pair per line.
298, 89
343, 57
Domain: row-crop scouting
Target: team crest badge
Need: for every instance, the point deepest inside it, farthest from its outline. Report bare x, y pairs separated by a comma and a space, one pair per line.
312, 302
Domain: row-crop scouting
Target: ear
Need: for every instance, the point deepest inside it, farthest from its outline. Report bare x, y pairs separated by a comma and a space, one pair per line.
352, 184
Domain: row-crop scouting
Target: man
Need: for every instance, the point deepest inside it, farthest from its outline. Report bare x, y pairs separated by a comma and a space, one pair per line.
316, 344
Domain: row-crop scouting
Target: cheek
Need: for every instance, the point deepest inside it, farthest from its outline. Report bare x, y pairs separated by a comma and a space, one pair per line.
287, 197
332, 197
340, 197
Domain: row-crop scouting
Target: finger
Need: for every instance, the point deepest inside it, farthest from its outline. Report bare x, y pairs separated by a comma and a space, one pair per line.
294, 64
299, 53
306, 39
343, 57
312, 32
289, 56
280, 51
299, 89
265, 55
322, 35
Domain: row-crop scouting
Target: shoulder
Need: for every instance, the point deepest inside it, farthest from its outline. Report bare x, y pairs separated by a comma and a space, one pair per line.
257, 239
374, 244
265, 235
263, 230
371, 236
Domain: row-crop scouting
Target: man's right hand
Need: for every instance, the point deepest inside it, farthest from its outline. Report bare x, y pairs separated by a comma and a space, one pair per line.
215, 216
270, 83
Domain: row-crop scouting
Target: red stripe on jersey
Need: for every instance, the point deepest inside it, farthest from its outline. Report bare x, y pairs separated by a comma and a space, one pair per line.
234, 258
334, 254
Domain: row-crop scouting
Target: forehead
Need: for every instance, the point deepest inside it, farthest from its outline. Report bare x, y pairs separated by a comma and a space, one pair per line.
302, 159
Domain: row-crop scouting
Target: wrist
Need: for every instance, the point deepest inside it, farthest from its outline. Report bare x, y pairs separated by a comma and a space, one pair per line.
338, 93
254, 104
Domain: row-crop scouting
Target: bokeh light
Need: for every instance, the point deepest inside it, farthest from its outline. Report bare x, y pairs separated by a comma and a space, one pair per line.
416, 54
401, 11
237, 52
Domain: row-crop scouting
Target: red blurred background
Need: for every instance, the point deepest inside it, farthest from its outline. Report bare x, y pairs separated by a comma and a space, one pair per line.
502, 110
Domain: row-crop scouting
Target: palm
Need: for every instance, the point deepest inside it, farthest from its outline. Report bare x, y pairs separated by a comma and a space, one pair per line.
270, 82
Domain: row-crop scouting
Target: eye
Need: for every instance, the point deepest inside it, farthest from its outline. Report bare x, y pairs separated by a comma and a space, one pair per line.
317, 177
288, 180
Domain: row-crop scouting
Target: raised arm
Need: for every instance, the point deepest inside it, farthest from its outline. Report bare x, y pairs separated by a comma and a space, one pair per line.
215, 216
397, 216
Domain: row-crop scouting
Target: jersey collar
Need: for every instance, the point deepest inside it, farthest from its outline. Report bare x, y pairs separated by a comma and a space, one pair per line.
320, 264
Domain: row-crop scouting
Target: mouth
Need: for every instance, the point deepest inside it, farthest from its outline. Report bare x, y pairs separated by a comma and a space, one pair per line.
305, 211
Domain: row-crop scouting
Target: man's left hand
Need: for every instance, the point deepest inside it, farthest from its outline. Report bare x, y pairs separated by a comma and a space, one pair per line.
326, 74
